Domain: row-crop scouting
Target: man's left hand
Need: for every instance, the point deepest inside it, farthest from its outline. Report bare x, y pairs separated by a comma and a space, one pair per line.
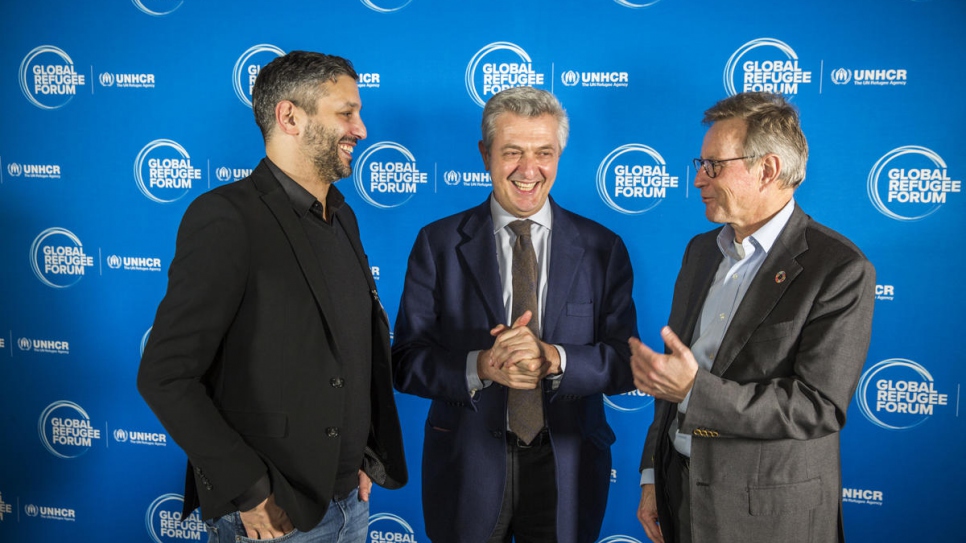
519, 346
365, 486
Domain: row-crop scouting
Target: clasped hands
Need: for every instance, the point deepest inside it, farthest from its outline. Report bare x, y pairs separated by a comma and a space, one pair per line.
518, 359
664, 376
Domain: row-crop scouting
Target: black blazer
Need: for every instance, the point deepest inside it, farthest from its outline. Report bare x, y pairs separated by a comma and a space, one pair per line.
242, 366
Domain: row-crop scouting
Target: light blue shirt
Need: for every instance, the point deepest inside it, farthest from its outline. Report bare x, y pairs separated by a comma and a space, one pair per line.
737, 270
540, 234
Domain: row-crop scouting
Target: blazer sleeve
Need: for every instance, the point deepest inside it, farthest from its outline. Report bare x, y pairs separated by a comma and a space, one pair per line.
602, 365
810, 351
206, 282
424, 363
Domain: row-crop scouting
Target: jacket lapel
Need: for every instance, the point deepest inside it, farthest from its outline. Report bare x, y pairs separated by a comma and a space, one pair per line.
776, 275
697, 289
476, 252
347, 218
566, 254
280, 205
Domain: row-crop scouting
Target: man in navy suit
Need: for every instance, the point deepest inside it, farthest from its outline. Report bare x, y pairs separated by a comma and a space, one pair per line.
463, 340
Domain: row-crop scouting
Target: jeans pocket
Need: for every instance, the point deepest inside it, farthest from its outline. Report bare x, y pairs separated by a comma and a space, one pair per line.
241, 538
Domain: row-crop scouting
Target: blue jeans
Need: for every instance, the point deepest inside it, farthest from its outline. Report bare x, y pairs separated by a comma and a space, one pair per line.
345, 521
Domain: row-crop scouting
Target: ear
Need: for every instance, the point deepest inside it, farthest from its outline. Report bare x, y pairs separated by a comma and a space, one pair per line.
771, 168
287, 118
485, 155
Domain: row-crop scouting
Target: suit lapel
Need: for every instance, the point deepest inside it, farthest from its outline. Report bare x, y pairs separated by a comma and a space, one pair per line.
347, 218
476, 252
776, 275
697, 289
566, 254
280, 205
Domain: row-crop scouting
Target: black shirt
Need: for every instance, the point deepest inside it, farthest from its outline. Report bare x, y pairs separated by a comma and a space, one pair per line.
347, 286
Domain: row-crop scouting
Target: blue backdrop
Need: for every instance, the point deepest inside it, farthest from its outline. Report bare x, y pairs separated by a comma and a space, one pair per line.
115, 115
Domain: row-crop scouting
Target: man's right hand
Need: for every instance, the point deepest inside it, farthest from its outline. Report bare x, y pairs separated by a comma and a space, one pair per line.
515, 360
647, 514
266, 521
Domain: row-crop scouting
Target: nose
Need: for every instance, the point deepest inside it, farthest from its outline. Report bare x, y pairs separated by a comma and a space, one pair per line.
701, 178
528, 166
359, 129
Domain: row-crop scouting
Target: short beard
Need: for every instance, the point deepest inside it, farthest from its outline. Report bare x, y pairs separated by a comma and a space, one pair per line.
322, 145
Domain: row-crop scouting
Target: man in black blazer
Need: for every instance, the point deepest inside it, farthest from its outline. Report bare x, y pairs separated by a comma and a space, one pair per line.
774, 314
268, 362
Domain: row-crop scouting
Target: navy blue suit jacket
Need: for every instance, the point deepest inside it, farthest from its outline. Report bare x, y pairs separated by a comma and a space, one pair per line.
451, 300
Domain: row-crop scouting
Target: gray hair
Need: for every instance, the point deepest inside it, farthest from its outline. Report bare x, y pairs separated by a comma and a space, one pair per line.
772, 127
299, 77
525, 102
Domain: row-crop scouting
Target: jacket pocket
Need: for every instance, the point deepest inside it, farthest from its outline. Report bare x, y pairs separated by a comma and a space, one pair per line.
781, 499
772, 331
580, 309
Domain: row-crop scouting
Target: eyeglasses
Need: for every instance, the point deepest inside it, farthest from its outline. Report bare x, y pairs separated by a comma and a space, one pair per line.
712, 167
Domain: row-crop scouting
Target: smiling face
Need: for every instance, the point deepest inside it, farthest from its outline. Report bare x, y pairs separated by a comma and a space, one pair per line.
736, 195
522, 161
331, 133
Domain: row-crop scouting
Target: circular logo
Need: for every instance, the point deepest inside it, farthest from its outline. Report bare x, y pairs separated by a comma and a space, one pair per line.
158, 8
31, 510
633, 179
636, 5
57, 258
247, 67
498, 66
163, 521
48, 78
451, 178
910, 183
386, 175
106, 79
898, 394
144, 339
14, 169
24, 344
163, 171
841, 76
619, 539
629, 402
389, 528
120, 435
114, 262
386, 6
767, 65
223, 174
65, 429
570, 78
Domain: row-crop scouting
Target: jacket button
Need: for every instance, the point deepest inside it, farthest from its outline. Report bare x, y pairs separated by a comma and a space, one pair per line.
332, 431
497, 434
336, 382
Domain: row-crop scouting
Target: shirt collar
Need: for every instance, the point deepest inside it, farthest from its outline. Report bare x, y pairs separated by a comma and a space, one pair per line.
502, 217
763, 238
303, 200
